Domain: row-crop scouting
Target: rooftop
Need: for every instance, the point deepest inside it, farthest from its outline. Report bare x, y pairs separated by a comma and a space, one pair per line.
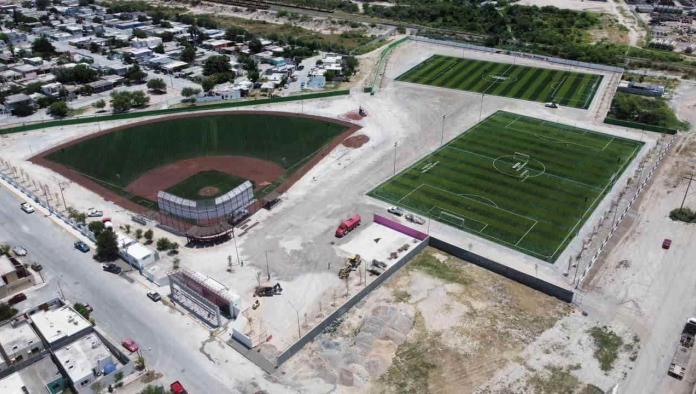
55, 324
39, 375
6, 265
81, 357
16, 339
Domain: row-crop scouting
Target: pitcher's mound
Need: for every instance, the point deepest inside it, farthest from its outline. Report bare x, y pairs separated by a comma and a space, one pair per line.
209, 191
356, 141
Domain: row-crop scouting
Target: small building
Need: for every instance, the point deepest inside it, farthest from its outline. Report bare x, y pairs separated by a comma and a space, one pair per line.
86, 360
316, 82
216, 44
174, 66
52, 89
147, 42
19, 342
15, 100
42, 376
641, 89
26, 70
59, 325
101, 85
139, 256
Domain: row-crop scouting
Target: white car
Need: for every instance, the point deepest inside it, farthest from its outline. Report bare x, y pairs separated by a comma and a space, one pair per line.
27, 208
551, 105
94, 213
395, 211
19, 251
415, 219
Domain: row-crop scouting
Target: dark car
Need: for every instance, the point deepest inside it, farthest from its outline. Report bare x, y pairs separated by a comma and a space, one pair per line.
17, 298
81, 246
154, 296
113, 268
666, 243
37, 267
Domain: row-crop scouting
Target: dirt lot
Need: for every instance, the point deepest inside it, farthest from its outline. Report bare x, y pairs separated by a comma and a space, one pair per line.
444, 325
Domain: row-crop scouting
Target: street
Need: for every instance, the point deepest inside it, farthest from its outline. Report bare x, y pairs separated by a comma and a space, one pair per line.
170, 342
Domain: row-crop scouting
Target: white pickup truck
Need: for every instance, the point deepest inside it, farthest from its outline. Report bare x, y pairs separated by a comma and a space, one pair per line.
680, 360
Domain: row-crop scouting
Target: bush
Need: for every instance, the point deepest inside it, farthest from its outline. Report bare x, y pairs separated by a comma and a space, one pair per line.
59, 109
683, 215
96, 227
6, 311
82, 309
107, 246
164, 244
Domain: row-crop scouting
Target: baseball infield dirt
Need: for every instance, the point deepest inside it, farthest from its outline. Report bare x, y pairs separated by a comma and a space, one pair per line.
162, 178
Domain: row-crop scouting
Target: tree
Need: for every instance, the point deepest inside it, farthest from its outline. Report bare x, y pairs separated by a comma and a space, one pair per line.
42, 4
6, 311
255, 45
59, 109
99, 104
23, 110
4, 249
148, 236
120, 101
42, 47
216, 65
107, 246
138, 234
96, 227
139, 33
208, 84
118, 376
157, 84
188, 54
135, 74
93, 47
163, 244
150, 389
188, 92
139, 99
159, 48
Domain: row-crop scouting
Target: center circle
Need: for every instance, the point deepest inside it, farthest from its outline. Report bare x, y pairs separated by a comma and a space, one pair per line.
503, 165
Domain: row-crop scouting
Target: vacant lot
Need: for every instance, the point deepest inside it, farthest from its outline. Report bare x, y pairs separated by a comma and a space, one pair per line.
502, 79
522, 182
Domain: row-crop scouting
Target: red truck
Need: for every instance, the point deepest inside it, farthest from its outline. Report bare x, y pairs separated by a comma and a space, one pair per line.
348, 225
177, 388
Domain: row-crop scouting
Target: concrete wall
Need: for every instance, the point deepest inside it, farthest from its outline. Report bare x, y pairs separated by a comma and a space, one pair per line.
313, 333
527, 280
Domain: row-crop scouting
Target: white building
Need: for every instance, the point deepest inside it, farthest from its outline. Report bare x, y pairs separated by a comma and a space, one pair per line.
139, 256
85, 360
19, 342
55, 325
148, 42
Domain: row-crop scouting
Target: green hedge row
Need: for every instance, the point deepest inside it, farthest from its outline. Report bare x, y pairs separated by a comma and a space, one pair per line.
132, 115
642, 126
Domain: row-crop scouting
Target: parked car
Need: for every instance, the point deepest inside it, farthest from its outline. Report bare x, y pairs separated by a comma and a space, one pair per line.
37, 267
26, 207
130, 345
154, 296
17, 298
113, 268
551, 105
177, 388
81, 246
666, 243
19, 251
415, 219
395, 211
94, 213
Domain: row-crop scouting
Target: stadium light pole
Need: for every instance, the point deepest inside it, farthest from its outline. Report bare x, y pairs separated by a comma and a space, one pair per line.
234, 237
442, 133
481, 110
396, 143
297, 313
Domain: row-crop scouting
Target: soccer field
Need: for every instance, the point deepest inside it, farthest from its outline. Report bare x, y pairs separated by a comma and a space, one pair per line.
565, 88
523, 182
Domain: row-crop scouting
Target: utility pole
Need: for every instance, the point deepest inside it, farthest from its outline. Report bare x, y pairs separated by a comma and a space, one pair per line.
268, 271
234, 237
61, 186
481, 110
442, 133
395, 145
688, 186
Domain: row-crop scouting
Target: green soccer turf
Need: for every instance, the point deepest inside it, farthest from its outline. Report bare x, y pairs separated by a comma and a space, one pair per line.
190, 187
471, 182
565, 88
117, 159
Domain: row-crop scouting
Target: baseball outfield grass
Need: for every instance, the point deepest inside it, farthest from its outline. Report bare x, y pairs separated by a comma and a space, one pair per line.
565, 88
205, 184
116, 159
525, 183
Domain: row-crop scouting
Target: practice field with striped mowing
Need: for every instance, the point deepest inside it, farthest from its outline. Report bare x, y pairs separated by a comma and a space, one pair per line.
523, 182
565, 88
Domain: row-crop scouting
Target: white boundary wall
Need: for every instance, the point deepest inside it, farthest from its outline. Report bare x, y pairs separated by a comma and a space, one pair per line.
226, 205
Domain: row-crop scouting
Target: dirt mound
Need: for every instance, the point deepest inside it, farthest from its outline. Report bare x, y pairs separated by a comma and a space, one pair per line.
208, 191
352, 115
356, 141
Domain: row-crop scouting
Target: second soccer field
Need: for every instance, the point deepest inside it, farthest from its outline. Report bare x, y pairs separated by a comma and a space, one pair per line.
523, 182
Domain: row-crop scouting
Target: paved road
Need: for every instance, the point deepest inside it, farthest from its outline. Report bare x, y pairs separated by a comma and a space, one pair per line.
170, 341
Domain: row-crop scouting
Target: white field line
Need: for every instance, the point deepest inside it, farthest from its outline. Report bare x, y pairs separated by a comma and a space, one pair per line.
525, 234
409, 193
585, 185
462, 218
493, 83
589, 207
592, 92
556, 140
558, 86
512, 121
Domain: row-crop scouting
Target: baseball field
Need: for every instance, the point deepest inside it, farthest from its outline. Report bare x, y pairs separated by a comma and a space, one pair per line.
565, 88
522, 182
197, 155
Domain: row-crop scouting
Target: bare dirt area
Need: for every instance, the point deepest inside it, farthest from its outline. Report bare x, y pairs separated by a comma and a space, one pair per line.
356, 141
162, 178
208, 191
440, 325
